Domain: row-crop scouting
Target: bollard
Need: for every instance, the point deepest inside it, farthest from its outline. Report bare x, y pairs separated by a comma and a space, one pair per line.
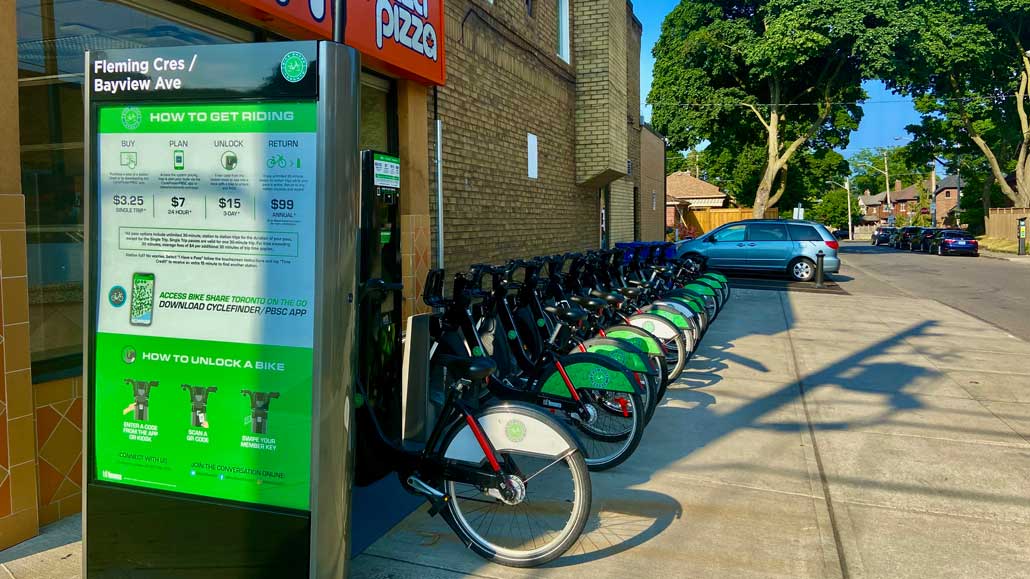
819, 257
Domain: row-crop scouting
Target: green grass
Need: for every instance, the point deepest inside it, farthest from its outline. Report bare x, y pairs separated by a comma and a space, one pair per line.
999, 245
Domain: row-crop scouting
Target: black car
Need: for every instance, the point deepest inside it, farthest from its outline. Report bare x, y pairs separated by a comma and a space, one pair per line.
841, 234
903, 240
922, 241
882, 235
951, 241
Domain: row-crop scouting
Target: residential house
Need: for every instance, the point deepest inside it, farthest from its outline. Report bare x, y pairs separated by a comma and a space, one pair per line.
946, 198
901, 202
685, 192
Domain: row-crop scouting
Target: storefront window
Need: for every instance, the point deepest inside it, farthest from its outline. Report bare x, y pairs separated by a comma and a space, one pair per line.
52, 38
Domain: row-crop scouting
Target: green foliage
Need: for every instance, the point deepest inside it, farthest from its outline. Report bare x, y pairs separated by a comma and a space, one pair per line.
832, 209
763, 80
963, 62
901, 165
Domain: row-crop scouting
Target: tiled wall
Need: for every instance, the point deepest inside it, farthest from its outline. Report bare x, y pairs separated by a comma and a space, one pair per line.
59, 448
18, 517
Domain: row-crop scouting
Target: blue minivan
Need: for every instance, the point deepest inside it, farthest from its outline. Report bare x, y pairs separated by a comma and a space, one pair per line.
767, 244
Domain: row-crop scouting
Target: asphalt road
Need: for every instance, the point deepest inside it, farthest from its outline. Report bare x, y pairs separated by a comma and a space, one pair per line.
994, 290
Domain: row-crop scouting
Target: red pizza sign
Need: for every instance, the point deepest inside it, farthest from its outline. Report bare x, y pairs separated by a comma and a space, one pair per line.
403, 37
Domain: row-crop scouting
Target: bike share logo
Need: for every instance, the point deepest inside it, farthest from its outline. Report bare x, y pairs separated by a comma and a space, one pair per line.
599, 378
116, 297
407, 23
131, 118
515, 430
294, 66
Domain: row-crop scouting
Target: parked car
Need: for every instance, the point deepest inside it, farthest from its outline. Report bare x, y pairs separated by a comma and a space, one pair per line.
922, 241
882, 235
904, 237
950, 241
767, 244
841, 234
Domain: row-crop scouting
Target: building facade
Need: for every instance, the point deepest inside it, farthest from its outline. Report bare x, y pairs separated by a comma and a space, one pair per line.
651, 200
541, 153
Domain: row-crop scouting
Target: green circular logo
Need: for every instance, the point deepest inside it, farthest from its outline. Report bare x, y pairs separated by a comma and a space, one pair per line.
294, 66
599, 378
649, 326
515, 430
512, 335
131, 118
619, 356
477, 351
116, 297
540, 322
129, 355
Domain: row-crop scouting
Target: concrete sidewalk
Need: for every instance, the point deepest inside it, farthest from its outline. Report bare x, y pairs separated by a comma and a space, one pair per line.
813, 435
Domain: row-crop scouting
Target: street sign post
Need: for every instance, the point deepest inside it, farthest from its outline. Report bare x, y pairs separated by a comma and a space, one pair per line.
217, 416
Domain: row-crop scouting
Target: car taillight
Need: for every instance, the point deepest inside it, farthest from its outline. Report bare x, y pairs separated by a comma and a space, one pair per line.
833, 244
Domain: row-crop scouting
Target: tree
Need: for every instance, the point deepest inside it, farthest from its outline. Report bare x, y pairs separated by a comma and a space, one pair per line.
774, 74
901, 166
832, 209
966, 63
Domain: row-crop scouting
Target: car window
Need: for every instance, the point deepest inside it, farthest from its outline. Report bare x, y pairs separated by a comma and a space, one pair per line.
804, 233
730, 233
767, 232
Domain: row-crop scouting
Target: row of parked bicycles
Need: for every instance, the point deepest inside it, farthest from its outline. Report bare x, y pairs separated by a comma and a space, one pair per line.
527, 376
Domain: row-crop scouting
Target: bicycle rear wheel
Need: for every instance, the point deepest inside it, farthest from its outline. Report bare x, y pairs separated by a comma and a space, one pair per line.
552, 501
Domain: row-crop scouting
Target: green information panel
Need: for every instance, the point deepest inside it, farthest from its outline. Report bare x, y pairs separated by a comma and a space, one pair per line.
203, 364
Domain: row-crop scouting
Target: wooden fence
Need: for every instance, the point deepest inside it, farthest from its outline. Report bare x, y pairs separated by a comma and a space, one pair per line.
1002, 223
705, 220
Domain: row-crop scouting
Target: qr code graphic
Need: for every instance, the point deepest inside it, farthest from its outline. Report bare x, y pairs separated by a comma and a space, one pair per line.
142, 307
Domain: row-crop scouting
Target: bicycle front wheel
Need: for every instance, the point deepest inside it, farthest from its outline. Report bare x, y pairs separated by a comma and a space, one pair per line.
551, 501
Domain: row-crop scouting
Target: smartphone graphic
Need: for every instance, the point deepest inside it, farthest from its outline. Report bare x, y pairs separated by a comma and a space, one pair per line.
141, 307
180, 159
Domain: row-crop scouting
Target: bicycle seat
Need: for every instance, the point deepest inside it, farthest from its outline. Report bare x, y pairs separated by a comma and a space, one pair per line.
613, 298
632, 292
588, 302
571, 316
468, 368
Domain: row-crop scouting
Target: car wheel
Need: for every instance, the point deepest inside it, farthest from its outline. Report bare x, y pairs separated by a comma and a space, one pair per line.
802, 269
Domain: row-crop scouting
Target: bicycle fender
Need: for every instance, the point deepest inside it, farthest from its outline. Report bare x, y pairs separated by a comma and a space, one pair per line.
511, 427
658, 329
588, 370
623, 352
669, 313
636, 336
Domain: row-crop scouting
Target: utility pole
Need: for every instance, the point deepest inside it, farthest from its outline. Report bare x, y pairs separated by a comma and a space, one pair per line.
933, 194
851, 224
887, 179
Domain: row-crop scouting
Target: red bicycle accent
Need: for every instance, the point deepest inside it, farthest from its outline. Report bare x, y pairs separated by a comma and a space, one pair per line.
483, 443
568, 382
639, 381
602, 333
625, 407
581, 347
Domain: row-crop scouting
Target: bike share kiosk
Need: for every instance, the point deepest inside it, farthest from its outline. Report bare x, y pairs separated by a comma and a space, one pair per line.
222, 207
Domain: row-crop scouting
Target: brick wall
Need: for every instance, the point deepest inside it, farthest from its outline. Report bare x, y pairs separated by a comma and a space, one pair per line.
946, 200
505, 80
599, 51
626, 190
652, 186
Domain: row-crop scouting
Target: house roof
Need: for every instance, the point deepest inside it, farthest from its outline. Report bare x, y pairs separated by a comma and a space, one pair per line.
683, 185
872, 200
949, 182
910, 193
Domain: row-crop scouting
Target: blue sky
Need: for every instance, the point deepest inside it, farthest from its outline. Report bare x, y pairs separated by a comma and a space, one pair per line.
886, 114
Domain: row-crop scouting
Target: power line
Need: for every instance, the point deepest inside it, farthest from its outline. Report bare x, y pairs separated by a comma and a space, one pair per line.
730, 104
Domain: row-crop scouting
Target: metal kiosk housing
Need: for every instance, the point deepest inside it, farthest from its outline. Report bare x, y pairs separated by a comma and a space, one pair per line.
130, 531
